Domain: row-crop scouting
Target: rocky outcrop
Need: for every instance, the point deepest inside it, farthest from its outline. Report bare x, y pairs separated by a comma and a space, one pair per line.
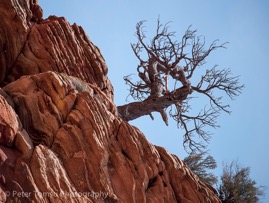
49, 45
61, 139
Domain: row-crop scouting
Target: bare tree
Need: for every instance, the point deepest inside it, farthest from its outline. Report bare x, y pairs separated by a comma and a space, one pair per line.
165, 62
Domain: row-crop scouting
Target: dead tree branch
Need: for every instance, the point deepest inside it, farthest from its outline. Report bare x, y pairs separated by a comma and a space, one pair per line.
164, 58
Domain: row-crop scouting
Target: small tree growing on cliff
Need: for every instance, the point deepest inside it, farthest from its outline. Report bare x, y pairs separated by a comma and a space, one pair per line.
165, 59
200, 163
237, 186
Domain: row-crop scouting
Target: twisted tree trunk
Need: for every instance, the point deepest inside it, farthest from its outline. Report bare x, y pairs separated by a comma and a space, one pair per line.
135, 110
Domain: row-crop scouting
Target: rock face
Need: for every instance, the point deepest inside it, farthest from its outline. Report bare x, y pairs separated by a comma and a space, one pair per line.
29, 48
61, 139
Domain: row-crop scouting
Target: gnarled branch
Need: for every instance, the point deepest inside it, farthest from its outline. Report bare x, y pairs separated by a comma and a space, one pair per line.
170, 59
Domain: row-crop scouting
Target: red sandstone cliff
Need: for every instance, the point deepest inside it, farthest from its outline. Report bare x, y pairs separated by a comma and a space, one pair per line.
61, 139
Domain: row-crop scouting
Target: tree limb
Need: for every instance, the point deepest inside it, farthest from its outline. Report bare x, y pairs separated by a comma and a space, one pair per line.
167, 58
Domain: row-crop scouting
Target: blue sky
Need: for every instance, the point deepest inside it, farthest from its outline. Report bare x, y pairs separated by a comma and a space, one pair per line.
243, 135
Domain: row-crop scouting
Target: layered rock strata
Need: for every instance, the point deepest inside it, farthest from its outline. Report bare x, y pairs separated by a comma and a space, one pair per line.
61, 139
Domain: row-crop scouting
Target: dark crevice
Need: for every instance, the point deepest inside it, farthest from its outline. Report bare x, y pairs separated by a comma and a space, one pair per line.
9, 69
125, 154
152, 182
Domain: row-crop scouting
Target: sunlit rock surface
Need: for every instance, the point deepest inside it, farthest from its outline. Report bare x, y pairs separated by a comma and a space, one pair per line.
61, 139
